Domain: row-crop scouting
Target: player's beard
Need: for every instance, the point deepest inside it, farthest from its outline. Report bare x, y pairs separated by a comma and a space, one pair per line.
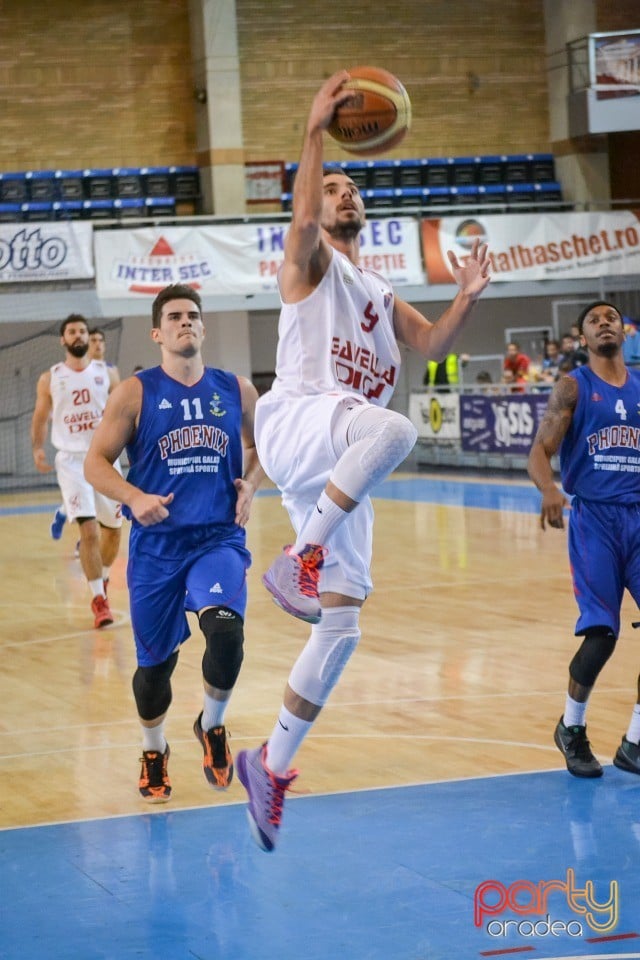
345, 231
78, 350
608, 349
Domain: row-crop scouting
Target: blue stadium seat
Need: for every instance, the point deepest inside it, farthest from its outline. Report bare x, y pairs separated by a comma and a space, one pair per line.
98, 183
157, 181
37, 211
129, 207
128, 182
435, 173
13, 188
160, 206
70, 184
97, 209
67, 210
10, 213
41, 185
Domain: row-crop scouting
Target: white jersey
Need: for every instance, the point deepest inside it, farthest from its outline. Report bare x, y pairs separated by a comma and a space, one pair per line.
339, 339
78, 401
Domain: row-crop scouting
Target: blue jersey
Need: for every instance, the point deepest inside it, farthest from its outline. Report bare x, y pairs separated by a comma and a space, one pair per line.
600, 454
188, 443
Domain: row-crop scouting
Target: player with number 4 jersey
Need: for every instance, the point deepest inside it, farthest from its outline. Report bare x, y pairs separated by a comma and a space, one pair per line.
593, 421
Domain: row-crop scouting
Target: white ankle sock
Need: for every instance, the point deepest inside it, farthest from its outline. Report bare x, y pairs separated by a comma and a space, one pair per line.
633, 733
574, 713
97, 587
287, 735
153, 738
317, 529
213, 712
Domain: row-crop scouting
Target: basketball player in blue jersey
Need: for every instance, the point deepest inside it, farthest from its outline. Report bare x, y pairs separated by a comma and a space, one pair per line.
593, 420
185, 427
326, 439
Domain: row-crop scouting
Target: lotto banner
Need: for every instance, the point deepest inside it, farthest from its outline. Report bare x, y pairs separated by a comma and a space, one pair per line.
541, 246
436, 416
45, 251
238, 259
501, 424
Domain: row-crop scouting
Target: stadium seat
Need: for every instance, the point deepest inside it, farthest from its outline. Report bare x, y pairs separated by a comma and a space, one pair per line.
70, 184
157, 181
98, 184
41, 185
37, 211
67, 210
10, 213
13, 187
160, 206
128, 182
435, 173
97, 209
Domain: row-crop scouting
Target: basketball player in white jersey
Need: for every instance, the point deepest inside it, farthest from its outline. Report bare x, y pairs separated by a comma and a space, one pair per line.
97, 351
73, 394
325, 438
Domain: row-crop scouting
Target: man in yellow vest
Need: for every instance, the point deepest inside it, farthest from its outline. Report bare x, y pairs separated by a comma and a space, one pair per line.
440, 376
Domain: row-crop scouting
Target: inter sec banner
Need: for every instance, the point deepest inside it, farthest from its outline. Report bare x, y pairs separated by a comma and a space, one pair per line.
56, 250
238, 259
540, 246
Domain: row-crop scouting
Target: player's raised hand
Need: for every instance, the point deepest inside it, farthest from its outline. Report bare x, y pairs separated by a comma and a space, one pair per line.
471, 273
328, 98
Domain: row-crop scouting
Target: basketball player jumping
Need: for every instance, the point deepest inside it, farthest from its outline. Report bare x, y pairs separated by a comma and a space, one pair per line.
593, 419
325, 438
73, 394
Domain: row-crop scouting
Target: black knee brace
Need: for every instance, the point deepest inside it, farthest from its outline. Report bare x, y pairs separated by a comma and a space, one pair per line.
596, 648
224, 634
152, 688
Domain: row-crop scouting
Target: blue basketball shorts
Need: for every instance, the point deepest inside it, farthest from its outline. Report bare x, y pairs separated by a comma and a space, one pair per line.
604, 552
170, 573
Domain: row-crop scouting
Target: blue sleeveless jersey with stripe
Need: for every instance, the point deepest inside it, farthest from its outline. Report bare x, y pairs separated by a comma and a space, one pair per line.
600, 454
188, 443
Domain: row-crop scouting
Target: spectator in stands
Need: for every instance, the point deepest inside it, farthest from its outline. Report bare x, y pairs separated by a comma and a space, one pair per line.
97, 351
576, 356
550, 366
631, 345
441, 376
73, 394
516, 363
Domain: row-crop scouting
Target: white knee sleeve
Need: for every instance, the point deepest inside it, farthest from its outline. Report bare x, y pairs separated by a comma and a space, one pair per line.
319, 666
378, 441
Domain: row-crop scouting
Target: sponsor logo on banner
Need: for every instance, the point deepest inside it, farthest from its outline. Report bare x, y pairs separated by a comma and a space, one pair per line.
435, 417
501, 425
149, 273
542, 246
45, 252
236, 259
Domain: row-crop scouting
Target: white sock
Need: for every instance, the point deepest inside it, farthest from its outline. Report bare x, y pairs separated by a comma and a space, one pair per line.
574, 713
213, 711
287, 735
317, 529
153, 738
97, 587
633, 733
105, 573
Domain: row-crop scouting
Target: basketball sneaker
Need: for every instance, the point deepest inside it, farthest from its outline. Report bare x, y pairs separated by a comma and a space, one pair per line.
628, 756
292, 581
217, 762
102, 615
573, 745
154, 783
57, 524
266, 795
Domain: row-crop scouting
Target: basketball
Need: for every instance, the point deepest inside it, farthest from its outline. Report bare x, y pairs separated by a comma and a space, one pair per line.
377, 116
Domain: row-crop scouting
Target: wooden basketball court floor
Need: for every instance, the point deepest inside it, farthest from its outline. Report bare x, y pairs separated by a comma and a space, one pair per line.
434, 819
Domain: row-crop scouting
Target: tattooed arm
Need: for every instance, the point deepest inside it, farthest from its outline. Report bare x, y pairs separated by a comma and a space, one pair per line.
551, 432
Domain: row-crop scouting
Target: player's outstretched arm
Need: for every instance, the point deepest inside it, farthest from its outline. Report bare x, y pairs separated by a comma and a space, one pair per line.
551, 432
435, 340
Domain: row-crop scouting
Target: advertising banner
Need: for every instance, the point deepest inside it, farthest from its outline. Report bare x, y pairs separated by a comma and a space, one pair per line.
436, 416
241, 259
45, 251
540, 246
501, 424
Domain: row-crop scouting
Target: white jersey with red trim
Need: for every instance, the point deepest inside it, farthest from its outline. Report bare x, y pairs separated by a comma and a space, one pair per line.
78, 401
339, 339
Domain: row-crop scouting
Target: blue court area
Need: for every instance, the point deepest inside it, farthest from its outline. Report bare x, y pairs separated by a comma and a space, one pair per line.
541, 864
